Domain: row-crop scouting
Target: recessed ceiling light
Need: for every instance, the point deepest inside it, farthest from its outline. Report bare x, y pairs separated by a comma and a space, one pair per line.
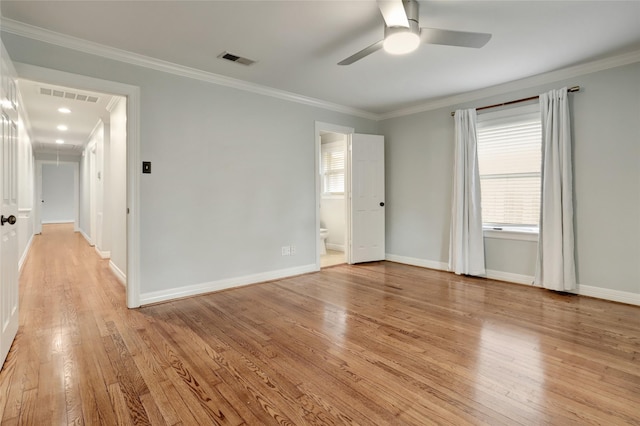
62, 127
59, 141
64, 110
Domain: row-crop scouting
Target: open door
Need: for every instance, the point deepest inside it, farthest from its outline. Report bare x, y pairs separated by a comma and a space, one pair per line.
8, 207
367, 198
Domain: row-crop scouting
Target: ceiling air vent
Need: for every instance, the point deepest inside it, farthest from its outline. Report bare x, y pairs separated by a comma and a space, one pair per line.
68, 95
235, 58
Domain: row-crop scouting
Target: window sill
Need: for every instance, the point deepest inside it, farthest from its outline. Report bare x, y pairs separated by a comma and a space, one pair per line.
511, 233
328, 196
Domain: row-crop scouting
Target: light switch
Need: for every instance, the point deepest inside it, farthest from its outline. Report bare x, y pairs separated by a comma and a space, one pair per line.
146, 167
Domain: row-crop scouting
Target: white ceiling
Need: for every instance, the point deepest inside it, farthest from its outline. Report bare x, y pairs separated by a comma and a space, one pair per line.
297, 44
43, 116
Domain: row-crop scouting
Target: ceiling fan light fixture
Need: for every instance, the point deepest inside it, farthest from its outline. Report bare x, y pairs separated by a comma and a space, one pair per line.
400, 40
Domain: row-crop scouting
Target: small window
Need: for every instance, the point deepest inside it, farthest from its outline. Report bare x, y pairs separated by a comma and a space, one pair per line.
333, 168
509, 162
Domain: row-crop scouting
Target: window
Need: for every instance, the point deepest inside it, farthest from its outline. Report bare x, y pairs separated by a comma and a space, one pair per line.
333, 168
509, 162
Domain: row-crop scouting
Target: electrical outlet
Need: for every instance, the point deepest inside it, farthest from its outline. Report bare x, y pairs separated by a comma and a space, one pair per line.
286, 250
293, 249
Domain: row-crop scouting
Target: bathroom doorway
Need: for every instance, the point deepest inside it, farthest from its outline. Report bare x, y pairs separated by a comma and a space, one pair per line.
333, 176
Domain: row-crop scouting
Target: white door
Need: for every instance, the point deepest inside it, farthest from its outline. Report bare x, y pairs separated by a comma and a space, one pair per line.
8, 209
367, 198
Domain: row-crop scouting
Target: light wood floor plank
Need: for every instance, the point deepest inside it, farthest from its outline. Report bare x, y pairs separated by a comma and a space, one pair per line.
373, 344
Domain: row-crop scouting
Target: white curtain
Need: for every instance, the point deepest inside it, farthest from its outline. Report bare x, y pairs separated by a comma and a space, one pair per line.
555, 267
466, 242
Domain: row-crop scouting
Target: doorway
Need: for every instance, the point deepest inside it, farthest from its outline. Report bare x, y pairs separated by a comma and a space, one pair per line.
90, 138
57, 193
333, 209
363, 195
332, 184
128, 178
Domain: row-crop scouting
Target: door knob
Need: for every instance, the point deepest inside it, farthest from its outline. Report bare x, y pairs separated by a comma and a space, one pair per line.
382, 204
11, 219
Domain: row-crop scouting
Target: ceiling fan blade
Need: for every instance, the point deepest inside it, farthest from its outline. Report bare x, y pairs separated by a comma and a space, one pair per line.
393, 13
454, 38
361, 54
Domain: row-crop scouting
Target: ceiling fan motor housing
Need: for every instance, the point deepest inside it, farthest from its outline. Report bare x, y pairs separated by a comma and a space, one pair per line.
412, 9
413, 28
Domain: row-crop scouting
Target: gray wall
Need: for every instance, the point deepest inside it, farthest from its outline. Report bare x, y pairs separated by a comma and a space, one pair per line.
606, 129
58, 193
233, 172
233, 176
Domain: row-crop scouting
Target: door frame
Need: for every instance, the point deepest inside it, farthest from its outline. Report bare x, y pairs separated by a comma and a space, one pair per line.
37, 211
93, 196
348, 131
132, 94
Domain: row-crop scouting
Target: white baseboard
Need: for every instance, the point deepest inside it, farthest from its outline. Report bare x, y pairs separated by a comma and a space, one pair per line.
583, 290
509, 277
86, 237
121, 276
193, 290
102, 254
23, 258
336, 247
431, 264
608, 294
51, 222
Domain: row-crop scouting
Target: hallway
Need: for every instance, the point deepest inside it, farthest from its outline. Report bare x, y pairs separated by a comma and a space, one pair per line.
59, 365
373, 344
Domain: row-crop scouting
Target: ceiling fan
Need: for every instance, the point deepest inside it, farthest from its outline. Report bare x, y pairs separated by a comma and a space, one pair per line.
402, 32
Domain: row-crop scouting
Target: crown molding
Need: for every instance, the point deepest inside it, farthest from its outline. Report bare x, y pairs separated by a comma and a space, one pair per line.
525, 83
112, 103
85, 46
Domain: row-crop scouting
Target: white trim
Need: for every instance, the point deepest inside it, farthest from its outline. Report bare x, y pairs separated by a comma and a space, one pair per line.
51, 222
51, 37
122, 278
525, 83
509, 277
133, 198
196, 289
93, 131
86, 237
102, 254
25, 253
506, 234
69, 42
331, 128
424, 263
583, 290
336, 247
112, 103
608, 294
132, 95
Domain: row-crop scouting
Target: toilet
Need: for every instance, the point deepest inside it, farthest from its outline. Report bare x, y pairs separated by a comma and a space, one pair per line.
324, 233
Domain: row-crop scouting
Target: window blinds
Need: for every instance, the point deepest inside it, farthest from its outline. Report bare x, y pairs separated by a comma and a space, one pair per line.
333, 168
509, 161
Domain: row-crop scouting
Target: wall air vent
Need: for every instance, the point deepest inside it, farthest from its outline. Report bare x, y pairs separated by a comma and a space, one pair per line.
235, 58
68, 95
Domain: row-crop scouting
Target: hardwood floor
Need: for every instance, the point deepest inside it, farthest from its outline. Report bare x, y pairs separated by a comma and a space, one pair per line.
374, 344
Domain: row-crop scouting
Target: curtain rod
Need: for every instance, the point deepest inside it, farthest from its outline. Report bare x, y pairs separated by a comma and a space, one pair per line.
517, 101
